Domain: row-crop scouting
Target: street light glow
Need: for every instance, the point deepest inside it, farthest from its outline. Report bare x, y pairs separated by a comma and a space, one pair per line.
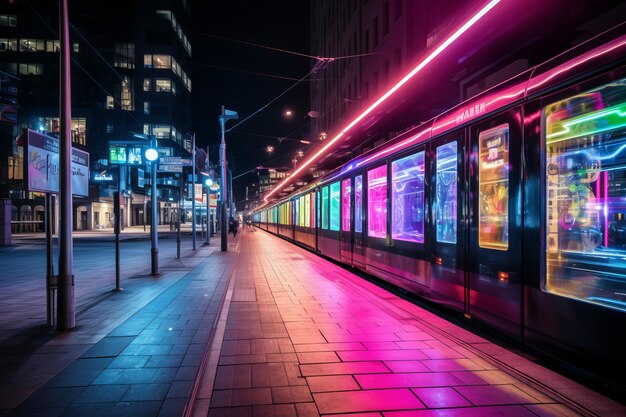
208, 182
423, 63
152, 154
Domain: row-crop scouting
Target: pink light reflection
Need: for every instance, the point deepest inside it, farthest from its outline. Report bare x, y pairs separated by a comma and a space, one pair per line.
384, 97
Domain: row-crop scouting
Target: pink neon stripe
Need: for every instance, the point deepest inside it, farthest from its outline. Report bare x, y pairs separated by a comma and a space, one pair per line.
605, 175
393, 89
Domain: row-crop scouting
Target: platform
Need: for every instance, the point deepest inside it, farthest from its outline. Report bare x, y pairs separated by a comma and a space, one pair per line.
301, 336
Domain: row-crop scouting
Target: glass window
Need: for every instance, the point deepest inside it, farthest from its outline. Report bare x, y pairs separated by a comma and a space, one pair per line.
377, 202
493, 188
8, 20
358, 204
110, 103
334, 206
312, 210
307, 210
407, 198
162, 85
324, 208
585, 145
147, 61
53, 46
162, 61
346, 193
147, 84
445, 198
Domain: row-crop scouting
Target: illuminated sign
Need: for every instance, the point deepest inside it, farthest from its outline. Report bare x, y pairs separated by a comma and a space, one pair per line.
117, 154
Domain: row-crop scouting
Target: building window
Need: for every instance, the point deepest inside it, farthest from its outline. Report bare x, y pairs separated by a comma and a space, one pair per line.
162, 61
8, 20
32, 45
110, 126
124, 56
146, 107
53, 46
75, 47
8, 44
10, 67
31, 69
79, 130
147, 84
110, 103
147, 61
163, 85
126, 94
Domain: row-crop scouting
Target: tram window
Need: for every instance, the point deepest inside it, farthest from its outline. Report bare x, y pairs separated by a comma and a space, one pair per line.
312, 195
493, 188
407, 198
377, 202
445, 197
346, 191
307, 210
358, 204
324, 208
585, 176
335, 206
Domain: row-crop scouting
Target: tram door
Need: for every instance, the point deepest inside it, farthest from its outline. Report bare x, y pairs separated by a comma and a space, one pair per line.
358, 247
495, 222
447, 242
345, 233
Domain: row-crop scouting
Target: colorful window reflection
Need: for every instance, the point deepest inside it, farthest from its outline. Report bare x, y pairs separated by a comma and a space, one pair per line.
324, 208
346, 191
407, 198
358, 204
377, 202
335, 193
493, 188
445, 197
312, 195
585, 138
307, 210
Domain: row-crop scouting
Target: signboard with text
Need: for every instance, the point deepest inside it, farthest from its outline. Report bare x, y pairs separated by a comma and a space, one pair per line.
42, 167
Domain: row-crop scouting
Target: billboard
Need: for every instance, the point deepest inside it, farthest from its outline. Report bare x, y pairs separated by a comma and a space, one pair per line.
42, 168
126, 154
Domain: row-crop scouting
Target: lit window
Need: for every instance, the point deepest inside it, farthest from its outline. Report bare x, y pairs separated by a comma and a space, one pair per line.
146, 107
8, 44
8, 20
53, 46
31, 69
335, 205
407, 198
446, 192
377, 202
346, 194
493, 189
147, 84
75, 47
162, 61
358, 204
79, 130
585, 174
162, 85
324, 208
110, 103
147, 61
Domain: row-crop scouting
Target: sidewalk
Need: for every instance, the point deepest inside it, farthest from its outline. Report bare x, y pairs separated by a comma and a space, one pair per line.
133, 353
301, 337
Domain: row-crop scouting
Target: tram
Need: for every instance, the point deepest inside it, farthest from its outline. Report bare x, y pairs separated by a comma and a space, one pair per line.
509, 208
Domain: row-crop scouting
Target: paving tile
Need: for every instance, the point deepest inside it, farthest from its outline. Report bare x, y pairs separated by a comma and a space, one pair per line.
370, 400
109, 346
129, 361
324, 347
424, 379
172, 407
495, 395
300, 394
382, 355
317, 357
102, 394
343, 368
91, 410
501, 411
332, 383
146, 392
442, 397
451, 365
240, 397
406, 366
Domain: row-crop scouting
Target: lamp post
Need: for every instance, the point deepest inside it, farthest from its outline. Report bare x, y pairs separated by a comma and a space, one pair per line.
223, 118
208, 182
152, 155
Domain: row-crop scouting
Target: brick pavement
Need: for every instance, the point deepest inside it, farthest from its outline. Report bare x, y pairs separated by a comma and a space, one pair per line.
304, 337
133, 353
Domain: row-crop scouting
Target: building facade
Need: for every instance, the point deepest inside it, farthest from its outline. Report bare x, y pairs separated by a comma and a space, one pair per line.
130, 76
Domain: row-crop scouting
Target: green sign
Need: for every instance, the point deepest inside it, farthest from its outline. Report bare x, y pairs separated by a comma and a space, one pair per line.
117, 154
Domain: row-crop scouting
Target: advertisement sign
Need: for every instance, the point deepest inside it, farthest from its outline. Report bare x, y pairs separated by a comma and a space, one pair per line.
117, 154
42, 170
199, 189
213, 200
103, 176
141, 178
134, 155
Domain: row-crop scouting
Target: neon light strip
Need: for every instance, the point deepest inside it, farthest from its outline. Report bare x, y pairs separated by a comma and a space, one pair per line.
615, 111
385, 96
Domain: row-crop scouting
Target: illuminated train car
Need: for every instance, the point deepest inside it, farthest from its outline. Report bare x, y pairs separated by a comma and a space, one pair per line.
509, 208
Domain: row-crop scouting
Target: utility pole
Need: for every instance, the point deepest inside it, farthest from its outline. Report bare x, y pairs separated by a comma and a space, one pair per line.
193, 192
225, 116
66, 310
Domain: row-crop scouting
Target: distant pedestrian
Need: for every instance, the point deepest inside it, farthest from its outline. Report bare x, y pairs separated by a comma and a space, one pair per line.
233, 225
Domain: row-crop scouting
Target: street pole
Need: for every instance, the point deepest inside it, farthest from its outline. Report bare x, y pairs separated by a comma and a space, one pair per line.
117, 208
230, 194
154, 237
226, 115
193, 192
208, 216
66, 311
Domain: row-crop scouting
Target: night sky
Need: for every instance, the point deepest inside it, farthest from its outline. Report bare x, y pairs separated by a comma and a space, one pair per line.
245, 78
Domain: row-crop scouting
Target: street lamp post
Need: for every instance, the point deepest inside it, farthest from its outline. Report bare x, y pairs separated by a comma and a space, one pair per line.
152, 155
208, 183
225, 116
